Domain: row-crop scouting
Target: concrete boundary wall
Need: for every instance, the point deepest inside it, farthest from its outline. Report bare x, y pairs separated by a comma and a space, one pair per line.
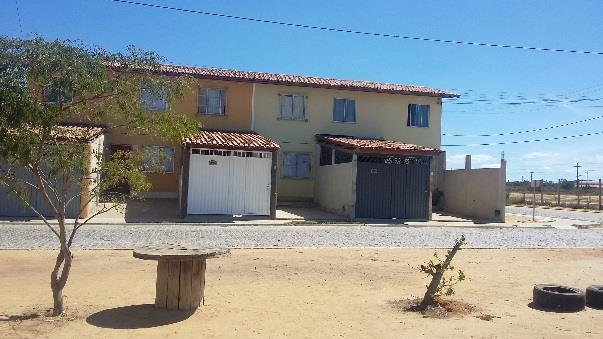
335, 189
476, 193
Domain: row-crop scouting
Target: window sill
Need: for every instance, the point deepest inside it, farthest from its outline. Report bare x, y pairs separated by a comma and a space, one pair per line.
417, 126
299, 120
297, 179
344, 122
212, 115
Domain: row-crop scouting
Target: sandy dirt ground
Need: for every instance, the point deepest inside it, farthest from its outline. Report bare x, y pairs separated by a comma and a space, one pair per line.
302, 293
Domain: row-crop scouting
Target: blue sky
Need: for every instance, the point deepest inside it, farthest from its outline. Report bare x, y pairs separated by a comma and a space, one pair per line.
492, 80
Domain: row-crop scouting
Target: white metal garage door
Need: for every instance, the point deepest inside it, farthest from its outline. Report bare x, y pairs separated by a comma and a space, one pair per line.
229, 182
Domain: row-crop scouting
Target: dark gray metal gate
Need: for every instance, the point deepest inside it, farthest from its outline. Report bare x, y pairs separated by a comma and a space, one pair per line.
11, 206
392, 187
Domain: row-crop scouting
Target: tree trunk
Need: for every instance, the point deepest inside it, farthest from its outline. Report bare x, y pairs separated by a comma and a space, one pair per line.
429, 297
58, 282
57, 297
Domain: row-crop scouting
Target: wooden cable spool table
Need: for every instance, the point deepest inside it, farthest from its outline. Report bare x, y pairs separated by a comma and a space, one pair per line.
180, 281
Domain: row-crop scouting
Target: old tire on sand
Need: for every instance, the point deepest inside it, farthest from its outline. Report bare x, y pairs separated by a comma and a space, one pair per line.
558, 298
594, 296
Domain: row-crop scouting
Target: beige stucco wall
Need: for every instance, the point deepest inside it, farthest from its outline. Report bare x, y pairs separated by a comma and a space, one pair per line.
475, 193
377, 115
88, 201
237, 117
335, 189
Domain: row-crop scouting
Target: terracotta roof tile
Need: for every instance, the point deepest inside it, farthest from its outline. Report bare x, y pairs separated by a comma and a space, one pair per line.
364, 145
304, 81
234, 140
76, 133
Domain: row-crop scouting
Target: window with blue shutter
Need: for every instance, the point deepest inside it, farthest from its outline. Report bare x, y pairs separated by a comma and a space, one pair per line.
418, 115
153, 99
212, 101
344, 110
158, 159
292, 107
296, 165
52, 97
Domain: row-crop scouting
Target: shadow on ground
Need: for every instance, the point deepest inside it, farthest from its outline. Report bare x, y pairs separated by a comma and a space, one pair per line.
537, 307
136, 316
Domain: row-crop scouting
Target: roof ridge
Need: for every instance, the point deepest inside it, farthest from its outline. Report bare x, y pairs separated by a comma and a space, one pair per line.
297, 75
305, 80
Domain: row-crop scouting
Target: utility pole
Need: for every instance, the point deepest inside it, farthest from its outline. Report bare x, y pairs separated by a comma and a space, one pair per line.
541, 192
559, 193
578, 183
524, 191
533, 197
588, 186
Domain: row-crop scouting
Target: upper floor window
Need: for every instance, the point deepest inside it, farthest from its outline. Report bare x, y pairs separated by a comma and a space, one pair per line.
153, 99
293, 107
296, 165
52, 97
212, 101
344, 110
418, 115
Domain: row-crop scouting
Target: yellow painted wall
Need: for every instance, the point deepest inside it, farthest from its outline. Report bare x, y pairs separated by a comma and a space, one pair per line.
237, 117
377, 115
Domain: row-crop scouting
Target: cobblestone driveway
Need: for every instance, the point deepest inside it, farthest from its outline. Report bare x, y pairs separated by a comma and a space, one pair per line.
22, 236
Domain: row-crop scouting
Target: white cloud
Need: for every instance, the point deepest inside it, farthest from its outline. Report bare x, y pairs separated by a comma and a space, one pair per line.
539, 155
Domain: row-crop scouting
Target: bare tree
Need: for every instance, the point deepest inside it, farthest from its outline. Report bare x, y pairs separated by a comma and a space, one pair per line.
52, 95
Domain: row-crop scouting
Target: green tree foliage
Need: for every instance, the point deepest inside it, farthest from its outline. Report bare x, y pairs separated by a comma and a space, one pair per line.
45, 84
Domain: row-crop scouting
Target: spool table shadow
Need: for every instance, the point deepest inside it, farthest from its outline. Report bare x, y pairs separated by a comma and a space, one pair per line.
137, 316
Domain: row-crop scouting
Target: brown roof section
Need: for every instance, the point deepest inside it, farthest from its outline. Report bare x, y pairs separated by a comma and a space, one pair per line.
76, 133
233, 140
303, 81
364, 145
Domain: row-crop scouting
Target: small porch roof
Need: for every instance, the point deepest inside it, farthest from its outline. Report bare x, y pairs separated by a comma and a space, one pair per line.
231, 140
374, 146
76, 133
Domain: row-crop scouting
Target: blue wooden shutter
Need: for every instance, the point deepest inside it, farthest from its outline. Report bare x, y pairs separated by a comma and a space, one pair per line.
338, 109
214, 101
202, 105
289, 165
424, 116
286, 107
303, 165
298, 107
350, 110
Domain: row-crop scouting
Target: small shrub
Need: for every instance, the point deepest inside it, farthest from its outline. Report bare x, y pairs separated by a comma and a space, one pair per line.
436, 268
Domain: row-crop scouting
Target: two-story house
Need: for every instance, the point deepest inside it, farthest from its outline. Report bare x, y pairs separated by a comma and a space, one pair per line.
358, 148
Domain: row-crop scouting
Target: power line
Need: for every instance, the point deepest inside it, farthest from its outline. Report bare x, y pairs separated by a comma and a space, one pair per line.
526, 141
526, 131
350, 31
496, 109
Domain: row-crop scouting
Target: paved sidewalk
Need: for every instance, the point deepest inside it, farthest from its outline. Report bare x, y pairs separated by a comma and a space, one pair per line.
111, 236
312, 217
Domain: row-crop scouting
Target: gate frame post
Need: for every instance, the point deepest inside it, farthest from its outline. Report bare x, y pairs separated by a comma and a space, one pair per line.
273, 191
